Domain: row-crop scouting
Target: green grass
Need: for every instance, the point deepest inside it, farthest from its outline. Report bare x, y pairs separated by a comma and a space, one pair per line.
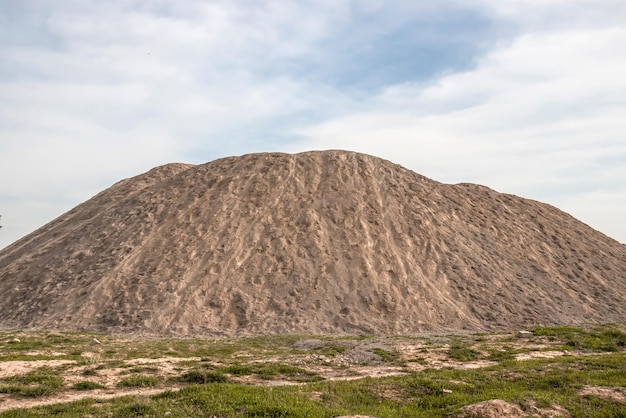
461, 351
203, 376
503, 353
44, 345
38, 383
270, 371
139, 381
600, 338
87, 385
431, 393
387, 356
210, 388
330, 350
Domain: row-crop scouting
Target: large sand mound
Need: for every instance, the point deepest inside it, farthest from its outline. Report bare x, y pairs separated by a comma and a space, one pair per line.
319, 242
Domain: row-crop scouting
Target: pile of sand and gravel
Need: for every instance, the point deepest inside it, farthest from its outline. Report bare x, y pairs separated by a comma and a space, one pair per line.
319, 242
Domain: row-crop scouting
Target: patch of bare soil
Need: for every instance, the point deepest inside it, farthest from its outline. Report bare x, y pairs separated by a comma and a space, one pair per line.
540, 354
613, 394
360, 372
109, 377
319, 243
422, 356
498, 408
7, 403
552, 411
12, 368
495, 408
355, 416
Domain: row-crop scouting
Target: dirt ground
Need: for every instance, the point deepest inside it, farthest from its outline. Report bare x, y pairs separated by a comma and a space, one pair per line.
338, 359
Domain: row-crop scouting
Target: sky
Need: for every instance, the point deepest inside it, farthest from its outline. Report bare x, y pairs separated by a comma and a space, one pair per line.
527, 97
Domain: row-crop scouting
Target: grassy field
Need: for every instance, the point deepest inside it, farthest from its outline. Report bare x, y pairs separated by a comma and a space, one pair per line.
562, 371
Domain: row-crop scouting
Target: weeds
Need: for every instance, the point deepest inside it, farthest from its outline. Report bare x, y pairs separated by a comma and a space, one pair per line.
269, 371
87, 385
331, 350
142, 369
139, 381
203, 376
34, 384
460, 351
387, 356
599, 339
501, 354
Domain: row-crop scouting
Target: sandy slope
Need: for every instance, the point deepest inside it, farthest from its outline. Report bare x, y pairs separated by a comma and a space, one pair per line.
319, 242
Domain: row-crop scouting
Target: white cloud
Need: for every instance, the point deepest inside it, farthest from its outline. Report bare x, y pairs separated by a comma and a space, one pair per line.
91, 92
101, 91
542, 15
539, 117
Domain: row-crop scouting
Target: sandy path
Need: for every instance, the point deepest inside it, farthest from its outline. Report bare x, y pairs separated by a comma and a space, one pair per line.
63, 397
15, 367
